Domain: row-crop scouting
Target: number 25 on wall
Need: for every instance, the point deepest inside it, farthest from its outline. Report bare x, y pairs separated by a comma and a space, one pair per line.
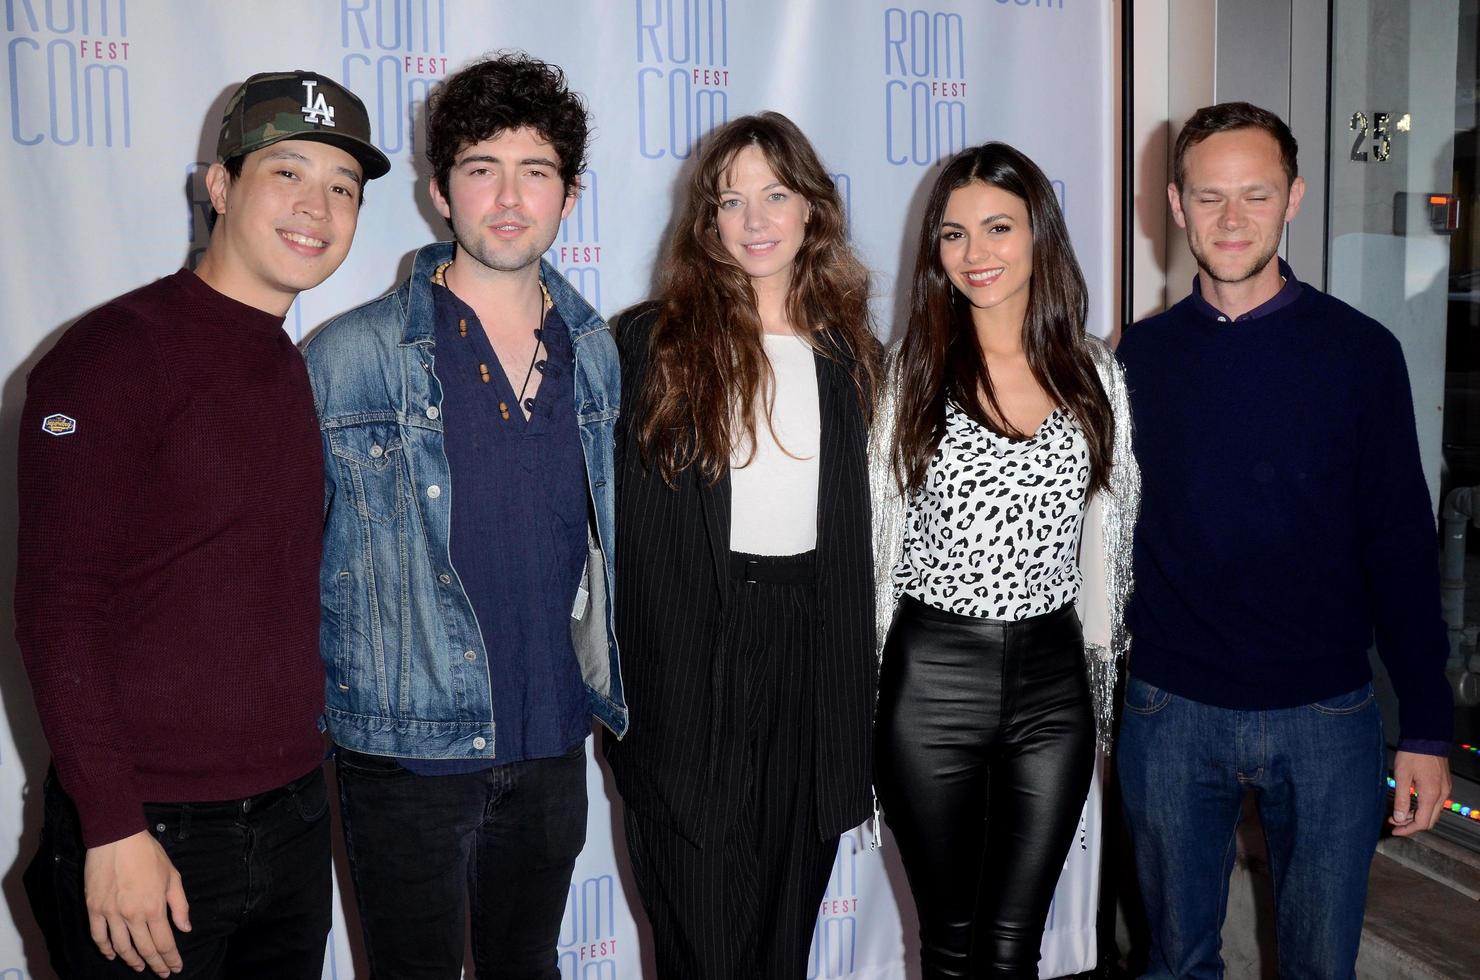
1382, 136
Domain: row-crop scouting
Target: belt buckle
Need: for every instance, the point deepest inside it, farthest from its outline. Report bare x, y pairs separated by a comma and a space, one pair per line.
750, 567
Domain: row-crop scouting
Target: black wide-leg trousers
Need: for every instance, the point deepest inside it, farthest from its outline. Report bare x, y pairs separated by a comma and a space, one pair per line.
984, 749
745, 904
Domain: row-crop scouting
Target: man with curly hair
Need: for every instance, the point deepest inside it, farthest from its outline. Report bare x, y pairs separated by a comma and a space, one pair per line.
467, 425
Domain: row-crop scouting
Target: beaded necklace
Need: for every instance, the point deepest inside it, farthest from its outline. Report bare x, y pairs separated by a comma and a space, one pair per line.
439, 278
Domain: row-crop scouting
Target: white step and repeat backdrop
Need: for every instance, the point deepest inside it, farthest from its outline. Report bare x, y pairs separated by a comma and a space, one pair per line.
111, 110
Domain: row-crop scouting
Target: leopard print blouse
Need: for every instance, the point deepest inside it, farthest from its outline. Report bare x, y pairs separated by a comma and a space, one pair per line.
994, 532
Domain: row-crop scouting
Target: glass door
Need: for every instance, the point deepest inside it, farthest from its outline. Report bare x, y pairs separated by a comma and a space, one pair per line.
1402, 246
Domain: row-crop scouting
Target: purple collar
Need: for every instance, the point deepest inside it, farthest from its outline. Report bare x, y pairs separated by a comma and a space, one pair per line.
1287, 295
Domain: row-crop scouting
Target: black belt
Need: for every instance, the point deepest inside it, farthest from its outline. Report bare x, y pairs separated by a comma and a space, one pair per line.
774, 569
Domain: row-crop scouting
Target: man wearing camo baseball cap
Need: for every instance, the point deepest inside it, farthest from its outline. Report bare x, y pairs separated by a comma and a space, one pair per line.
171, 513
300, 105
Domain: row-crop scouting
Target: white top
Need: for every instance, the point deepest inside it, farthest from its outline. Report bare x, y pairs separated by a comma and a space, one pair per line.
773, 498
994, 532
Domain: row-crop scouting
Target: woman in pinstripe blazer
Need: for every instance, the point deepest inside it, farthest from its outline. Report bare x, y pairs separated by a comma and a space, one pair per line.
744, 596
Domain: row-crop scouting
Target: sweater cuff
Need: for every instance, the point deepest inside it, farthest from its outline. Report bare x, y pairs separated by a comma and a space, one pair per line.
110, 819
1424, 746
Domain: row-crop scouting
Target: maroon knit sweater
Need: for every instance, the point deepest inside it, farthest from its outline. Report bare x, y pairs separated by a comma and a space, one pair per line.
167, 596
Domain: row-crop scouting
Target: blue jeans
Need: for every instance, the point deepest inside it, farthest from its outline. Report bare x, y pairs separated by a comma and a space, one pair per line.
1318, 772
255, 871
429, 854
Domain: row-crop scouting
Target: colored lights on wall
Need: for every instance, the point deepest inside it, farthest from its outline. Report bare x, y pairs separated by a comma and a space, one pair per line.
1453, 806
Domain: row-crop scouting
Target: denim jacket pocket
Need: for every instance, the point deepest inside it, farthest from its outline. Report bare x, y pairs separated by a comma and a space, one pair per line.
1347, 703
1143, 698
369, 458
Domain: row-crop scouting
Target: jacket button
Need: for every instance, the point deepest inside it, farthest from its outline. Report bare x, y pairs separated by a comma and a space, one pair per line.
469, 656
480, 743
376, 452
432, 411
445, 579
434, 491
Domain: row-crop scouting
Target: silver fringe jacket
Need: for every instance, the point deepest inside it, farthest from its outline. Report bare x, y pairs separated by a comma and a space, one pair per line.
1105, 541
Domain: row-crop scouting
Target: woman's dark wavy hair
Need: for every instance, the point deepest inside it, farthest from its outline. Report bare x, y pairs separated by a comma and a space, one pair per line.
504, 91
940, 359
706, 365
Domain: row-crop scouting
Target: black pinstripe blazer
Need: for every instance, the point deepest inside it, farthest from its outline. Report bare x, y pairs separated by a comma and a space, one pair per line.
672, 580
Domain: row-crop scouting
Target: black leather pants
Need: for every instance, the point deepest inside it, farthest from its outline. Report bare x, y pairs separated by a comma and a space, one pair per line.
984, 747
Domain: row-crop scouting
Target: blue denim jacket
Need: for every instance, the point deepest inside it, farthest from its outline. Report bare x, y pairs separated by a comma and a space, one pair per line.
406, 669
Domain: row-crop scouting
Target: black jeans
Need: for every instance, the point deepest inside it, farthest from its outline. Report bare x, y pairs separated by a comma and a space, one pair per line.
984, 749
429, 852
256, 872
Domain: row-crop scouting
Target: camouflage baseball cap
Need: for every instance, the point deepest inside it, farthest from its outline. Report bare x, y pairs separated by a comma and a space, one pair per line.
298, 105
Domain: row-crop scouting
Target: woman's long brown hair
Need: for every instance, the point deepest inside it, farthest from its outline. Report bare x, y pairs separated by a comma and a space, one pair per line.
706, 365
940, 359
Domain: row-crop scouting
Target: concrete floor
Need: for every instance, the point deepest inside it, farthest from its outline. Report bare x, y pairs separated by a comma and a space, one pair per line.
1417, 928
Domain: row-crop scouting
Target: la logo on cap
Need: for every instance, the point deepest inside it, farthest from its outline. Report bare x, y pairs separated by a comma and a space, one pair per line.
316, 109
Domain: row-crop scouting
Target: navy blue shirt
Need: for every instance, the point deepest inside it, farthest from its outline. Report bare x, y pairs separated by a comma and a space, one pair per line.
519, 504
1289, 292
1285, 521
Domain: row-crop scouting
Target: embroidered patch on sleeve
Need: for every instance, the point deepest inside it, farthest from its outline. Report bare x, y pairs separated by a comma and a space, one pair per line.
59, 425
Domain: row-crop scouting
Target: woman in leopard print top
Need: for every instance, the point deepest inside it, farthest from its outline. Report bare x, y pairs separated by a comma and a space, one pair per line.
1004, 492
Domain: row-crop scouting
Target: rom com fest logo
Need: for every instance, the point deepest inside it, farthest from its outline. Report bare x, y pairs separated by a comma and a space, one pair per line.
683, 84
925, 87
835, 937
576, 254
68, 67
396, 50
925, 91
588, 936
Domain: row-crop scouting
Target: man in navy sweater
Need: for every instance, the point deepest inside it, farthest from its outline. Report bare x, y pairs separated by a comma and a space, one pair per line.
1285, 525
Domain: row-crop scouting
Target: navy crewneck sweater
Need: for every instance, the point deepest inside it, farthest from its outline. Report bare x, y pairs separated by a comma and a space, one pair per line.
1285, 521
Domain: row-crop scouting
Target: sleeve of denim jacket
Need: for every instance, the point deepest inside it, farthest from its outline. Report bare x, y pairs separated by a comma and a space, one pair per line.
90, 419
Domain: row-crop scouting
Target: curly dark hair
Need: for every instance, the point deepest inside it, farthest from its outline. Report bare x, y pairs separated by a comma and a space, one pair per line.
502, 91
